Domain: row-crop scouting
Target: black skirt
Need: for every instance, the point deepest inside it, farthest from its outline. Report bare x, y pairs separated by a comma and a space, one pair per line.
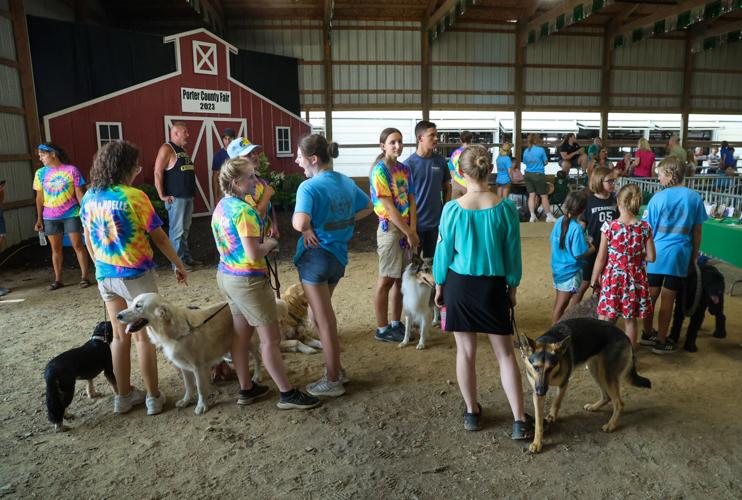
477, 304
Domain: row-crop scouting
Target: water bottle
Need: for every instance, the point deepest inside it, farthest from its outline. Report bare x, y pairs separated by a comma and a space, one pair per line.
443, 318
42, 238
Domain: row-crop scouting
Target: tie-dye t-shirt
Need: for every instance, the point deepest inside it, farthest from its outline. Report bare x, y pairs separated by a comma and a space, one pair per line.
58, 185
233, 219
455, 168
391, 182
118, 219
253, 200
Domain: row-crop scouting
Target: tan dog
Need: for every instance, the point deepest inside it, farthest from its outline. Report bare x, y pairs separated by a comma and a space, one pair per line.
193, 339
293, 310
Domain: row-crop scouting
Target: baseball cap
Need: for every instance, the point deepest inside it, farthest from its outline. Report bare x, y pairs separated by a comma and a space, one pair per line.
241, 147
229, 132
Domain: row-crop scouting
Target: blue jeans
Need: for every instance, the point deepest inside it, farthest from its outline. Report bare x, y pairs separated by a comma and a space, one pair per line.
180, 213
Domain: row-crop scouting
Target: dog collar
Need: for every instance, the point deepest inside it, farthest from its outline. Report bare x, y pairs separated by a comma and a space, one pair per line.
99, 338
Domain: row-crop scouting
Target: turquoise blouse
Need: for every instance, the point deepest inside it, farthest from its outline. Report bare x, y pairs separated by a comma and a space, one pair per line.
479, 242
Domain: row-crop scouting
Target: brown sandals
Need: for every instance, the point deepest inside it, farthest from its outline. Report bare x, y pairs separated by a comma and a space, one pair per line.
55, 286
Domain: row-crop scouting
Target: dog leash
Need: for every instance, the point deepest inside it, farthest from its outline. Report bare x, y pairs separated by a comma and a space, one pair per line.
206, 320
273, 275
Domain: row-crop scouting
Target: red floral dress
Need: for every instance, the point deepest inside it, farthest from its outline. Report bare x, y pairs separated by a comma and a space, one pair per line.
624, 288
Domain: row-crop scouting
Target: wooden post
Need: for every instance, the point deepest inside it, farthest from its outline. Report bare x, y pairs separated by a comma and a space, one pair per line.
605, 84
327, 62
687, 84
520, 56
425, 92
25, 71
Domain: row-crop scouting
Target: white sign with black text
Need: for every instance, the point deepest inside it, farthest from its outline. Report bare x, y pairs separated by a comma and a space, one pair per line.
205, 101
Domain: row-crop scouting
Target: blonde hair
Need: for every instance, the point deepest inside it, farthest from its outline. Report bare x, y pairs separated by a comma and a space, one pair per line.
643, 144
596, 179
630, 197
505, 149
475, 162
673, 168
232, 170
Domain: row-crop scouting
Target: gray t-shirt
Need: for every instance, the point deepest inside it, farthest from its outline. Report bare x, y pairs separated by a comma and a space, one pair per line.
428, 176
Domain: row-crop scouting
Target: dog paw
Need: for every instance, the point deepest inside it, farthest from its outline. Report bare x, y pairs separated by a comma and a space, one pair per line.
403, 344
550, 419
200, 409
60, 428
420, 346
182, 403
592, 407
535, 447
609, 427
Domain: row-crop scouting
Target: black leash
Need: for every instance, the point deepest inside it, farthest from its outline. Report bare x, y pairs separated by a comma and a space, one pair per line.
273, 275
206, 320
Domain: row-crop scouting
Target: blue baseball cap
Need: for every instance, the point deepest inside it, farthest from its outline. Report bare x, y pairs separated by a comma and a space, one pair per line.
241, 147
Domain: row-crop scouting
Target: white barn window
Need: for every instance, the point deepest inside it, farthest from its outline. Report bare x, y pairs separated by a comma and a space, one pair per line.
108, 132
204, 58
283, 141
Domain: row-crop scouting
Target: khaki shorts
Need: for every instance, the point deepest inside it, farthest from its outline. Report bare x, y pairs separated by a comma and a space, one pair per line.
392, 258
536, 183
249, 296
127, 288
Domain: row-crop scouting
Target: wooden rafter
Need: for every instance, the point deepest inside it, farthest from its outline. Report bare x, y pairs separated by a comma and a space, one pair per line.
720, 27
440, 13
658, 15
563, 7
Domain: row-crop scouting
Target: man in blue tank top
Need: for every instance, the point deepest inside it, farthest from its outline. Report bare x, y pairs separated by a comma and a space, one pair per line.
175, 180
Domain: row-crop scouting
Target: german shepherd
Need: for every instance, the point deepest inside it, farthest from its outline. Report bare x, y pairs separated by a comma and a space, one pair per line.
551, 358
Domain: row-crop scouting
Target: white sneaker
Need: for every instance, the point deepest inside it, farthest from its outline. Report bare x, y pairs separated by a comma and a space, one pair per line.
155, 404
122, 404
550, 218
343, 376
324, 387
533, 218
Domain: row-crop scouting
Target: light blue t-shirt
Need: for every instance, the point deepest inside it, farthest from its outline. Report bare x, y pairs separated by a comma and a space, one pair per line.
564, 261
535, 158
503, 164
671, 214
332, 200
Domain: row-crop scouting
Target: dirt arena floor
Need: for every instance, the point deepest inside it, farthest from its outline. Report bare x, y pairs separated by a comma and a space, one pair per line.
397, 433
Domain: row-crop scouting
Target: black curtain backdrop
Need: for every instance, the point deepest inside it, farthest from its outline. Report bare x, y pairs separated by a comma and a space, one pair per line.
73, 63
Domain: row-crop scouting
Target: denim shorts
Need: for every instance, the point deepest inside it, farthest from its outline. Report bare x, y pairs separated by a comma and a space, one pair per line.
571, 285
317, 266
63, 226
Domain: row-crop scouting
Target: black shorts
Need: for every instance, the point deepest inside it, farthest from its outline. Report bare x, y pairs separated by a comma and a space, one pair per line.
477, 304
674, 283
587, 269
428, 241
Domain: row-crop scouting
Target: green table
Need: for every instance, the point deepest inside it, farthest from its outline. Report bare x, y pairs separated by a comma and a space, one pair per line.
723, 241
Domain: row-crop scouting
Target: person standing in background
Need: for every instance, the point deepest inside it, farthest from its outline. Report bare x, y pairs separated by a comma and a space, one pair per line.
643, 163
675, 149
216, 163
175, 180
432, 181
458, 185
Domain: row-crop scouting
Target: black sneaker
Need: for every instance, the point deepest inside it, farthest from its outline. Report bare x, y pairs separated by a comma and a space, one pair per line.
648, 339
390, 335
256, 392
523, 429
667, 348
297, 400
472, 420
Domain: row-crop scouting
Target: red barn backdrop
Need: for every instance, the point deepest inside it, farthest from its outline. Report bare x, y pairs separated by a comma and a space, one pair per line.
202, 93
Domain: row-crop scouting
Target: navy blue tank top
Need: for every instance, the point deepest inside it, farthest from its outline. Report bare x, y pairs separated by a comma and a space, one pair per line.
180, 180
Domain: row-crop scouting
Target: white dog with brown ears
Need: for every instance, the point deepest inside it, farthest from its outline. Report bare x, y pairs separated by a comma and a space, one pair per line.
417, 288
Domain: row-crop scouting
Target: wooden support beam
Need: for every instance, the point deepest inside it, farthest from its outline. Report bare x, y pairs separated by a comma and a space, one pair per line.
718, 28
439, 14
687, 85
327, 60
605, 83
520, 59
562, 8
25, 72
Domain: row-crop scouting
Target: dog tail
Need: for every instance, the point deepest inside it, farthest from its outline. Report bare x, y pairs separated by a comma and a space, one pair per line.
636, 379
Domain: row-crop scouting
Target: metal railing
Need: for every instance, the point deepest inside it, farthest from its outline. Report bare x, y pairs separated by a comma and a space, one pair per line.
718, 189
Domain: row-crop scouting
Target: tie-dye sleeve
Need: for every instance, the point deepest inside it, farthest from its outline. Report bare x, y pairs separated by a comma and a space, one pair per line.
380, 182
77, 177
37, 181
247, 222
143, 210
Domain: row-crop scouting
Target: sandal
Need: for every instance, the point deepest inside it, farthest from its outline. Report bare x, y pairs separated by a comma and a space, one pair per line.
523, 429
84, 283
55, 286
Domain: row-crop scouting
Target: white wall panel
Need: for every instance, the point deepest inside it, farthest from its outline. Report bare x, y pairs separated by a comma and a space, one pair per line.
566, 50
10, 87
561, 80
637, 82
19, 179
663, 104
472, 78
651, 52
474, 47
7, 44
13, 138
298, 43
725, 57
375, 45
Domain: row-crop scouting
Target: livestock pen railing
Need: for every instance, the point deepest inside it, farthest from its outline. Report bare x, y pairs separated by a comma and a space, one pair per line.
712, 188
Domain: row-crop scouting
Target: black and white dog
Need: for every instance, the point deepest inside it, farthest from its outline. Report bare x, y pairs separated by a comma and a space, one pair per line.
711, 298
83, 363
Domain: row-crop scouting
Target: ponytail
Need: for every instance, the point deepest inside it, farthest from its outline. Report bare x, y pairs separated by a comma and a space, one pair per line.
316, 145
574, 205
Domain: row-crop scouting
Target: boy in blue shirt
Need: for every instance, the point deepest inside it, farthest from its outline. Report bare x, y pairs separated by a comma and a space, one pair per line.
675, 215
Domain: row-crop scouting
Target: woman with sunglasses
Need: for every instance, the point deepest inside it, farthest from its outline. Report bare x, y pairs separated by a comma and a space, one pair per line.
59, 190
601, 208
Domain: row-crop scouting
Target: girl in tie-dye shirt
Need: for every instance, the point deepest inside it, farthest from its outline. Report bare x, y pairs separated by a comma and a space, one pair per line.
458, 186
117, 219
393, 197
59, 188
242, 278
